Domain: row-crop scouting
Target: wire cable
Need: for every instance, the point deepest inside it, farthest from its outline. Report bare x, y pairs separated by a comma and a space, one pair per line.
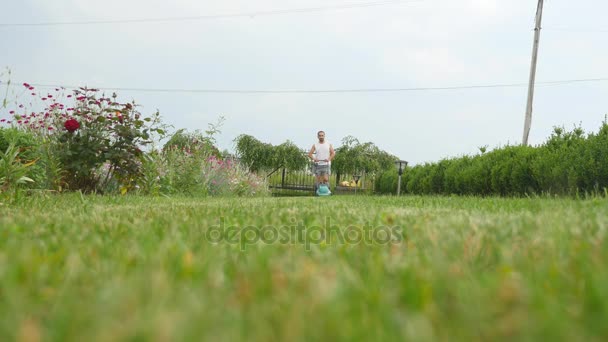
324, 91
218, 16
574, 29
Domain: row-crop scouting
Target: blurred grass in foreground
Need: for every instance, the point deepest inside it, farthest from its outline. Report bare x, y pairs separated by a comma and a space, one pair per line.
141, 268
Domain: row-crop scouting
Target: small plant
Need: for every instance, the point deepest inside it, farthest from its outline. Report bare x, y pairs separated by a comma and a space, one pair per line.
6, 73
13, 171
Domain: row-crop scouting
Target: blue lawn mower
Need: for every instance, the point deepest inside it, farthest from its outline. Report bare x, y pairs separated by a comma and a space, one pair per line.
322, 190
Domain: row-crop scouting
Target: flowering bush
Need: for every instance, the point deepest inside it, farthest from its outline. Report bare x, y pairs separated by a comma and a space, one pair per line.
95, 144
198, 173
93, 131
227, 177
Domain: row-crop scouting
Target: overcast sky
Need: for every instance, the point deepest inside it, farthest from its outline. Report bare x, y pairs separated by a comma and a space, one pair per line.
429, 43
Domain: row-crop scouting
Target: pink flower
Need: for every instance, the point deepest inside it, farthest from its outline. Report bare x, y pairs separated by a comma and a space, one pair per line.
69, 96
20, 106
12, 112
2, 120
50, 128
44, 99
26, 85
33, 94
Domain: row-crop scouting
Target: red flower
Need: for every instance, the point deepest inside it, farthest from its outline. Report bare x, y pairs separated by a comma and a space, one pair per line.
71, 125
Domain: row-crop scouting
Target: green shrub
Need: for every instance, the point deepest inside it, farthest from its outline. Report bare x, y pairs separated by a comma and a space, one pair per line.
386, 182
568, 163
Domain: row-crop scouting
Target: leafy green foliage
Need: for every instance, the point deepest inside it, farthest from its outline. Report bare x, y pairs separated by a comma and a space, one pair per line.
190, 164
19, 156
26, 142
197, 140
568, 163
354, 157
13, 170
259, 156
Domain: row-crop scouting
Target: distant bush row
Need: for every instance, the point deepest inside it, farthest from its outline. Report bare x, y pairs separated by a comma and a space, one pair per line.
568, 163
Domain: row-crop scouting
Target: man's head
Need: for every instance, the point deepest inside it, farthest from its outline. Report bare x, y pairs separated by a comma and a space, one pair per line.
321, 136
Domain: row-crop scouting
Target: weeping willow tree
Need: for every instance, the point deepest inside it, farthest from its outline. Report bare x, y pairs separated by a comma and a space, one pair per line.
354, 157
259, 156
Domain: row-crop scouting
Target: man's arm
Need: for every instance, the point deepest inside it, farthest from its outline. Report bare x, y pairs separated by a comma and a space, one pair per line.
332, 153
312, 150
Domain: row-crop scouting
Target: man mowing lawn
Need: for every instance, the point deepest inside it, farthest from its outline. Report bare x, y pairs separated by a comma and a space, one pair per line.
323, 153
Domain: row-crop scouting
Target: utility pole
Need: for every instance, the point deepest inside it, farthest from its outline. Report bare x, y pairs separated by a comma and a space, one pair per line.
537, 28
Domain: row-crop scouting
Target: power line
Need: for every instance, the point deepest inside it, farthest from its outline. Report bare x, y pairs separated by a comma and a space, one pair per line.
218, 16
575, 29
324, 91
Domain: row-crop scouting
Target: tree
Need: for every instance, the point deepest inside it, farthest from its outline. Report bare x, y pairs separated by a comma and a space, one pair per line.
355, 157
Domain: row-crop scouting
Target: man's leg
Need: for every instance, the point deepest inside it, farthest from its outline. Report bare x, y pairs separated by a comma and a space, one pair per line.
326, 175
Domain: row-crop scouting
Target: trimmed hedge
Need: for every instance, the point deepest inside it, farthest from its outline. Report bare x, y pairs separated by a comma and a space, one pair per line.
568, 163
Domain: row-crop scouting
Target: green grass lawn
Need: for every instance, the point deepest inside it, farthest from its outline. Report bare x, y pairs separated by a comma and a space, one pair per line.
141, 268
